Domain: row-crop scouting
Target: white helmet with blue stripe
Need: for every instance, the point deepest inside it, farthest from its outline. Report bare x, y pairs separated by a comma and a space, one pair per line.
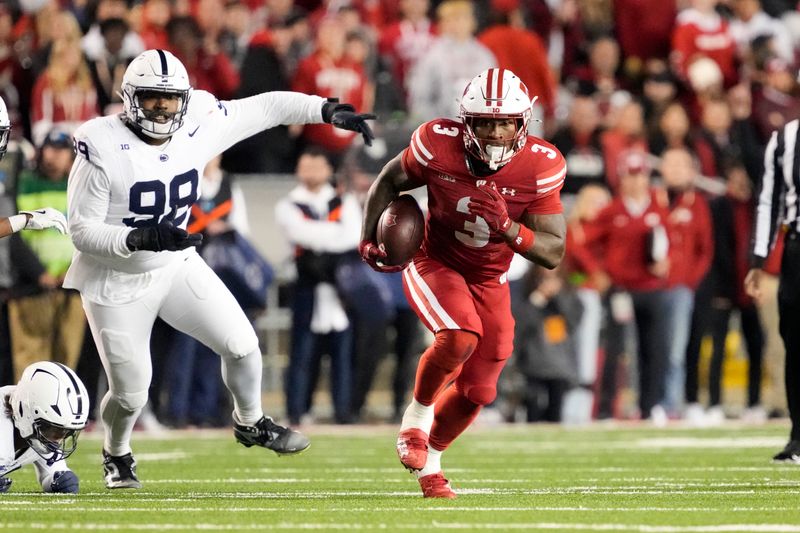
155, 72
50, 407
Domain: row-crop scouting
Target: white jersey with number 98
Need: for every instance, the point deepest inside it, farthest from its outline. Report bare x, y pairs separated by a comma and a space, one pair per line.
119, 182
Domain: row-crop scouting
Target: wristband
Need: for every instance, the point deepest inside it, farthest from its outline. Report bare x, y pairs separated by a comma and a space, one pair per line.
523, 241
18, 222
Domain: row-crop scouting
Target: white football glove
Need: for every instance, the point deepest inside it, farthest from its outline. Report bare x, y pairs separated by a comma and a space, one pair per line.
46, 218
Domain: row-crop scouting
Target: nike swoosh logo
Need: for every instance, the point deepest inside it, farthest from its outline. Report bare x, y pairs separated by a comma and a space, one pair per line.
41, 211
191, 134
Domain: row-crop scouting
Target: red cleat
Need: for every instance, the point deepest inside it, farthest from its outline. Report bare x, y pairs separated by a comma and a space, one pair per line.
436, 486
412, 448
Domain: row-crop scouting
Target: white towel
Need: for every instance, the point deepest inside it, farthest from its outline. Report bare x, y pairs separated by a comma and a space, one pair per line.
328, 315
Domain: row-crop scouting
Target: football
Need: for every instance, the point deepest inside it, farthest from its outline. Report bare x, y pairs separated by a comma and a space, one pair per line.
400, 230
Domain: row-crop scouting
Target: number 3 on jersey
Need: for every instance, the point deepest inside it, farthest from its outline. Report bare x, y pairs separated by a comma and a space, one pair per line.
478, 235
149, 199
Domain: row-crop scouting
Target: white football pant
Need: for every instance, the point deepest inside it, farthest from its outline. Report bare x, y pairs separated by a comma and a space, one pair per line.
192, 300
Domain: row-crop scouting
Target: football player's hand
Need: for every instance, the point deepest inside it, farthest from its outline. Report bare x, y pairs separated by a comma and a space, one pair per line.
5, 484
490, 206
65, 482
45, 218
343, 116
165, 237
372, 254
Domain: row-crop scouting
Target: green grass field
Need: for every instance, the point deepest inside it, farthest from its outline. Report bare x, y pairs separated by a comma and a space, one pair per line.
536, 478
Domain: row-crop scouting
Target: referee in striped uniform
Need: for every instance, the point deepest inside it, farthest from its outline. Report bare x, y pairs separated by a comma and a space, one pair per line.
779, 210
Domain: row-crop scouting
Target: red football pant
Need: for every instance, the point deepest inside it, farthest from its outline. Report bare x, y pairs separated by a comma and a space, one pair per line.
456, 310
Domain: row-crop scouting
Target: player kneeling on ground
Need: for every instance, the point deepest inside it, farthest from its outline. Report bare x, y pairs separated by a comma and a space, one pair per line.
41, 419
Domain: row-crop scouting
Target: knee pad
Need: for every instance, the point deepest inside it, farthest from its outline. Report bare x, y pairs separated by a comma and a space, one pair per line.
480, 394
240, 344
131, 401
453, 347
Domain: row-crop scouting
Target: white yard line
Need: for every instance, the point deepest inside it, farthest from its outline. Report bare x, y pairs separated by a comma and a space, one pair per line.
282, 509
643, 528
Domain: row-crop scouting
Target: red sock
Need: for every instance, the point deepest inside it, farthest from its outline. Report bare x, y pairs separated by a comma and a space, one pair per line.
441, 363
454, 414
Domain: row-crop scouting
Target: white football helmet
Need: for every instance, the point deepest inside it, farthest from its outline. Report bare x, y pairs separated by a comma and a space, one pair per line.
50, 407
5, 128
155, 71
496, 93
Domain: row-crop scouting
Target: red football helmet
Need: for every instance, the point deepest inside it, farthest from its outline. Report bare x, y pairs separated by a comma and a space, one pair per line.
496, 93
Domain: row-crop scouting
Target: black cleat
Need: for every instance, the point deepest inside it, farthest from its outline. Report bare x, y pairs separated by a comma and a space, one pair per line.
120, 472
790, 454
268, 434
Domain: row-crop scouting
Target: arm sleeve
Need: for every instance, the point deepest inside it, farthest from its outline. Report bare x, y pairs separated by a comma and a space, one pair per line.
321, 235
235, 120
88, 197
769, 200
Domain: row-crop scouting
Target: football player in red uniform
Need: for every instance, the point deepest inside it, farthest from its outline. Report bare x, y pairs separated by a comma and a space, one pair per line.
493, 190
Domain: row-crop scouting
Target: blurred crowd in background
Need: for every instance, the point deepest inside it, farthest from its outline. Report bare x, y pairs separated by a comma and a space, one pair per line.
662, 110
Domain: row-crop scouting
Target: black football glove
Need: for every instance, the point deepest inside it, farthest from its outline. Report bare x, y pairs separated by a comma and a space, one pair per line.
5, 484
343, 116
161, 238
65, 482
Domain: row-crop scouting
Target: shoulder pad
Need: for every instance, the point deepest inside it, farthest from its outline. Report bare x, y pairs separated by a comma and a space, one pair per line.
434, 140
92, 137
202, 104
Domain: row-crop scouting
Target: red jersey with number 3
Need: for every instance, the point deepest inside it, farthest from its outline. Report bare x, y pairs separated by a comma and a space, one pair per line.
530, 183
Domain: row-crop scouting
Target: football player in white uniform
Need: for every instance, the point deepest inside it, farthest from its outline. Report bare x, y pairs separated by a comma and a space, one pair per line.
132, 185
38, 219
40, 420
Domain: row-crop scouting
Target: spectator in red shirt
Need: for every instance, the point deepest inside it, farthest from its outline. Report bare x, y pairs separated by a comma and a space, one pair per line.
404, 42
701, 32
520, 50
637, 18
626, 133
775, 103
208, 68
632, 231
600, 77
585, 270
153, 29
691, 251
63, 94
328, 72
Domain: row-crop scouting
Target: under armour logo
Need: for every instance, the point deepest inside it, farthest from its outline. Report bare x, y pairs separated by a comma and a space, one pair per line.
508, 192
391, 219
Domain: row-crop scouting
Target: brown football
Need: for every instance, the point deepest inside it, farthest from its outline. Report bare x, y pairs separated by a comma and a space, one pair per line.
401, 229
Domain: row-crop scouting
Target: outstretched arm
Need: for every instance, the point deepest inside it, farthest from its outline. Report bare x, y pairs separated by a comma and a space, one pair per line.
235, 120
